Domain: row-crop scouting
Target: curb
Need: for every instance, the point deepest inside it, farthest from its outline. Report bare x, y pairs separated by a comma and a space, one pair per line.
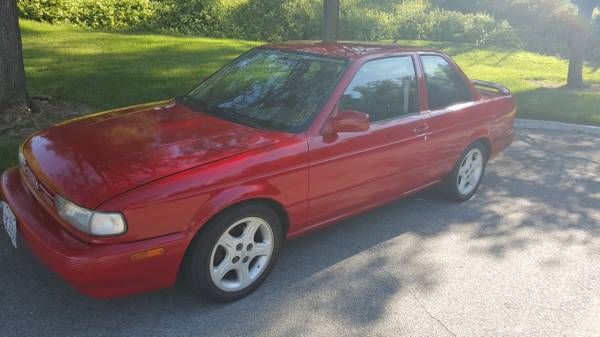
556, 126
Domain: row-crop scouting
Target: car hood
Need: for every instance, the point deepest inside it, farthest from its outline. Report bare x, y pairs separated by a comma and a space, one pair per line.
94, 158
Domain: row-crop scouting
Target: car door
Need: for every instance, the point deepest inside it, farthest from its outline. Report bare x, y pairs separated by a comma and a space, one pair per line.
353, 171
454, 113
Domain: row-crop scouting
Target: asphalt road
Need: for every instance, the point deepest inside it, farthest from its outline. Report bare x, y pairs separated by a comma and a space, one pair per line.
520, 259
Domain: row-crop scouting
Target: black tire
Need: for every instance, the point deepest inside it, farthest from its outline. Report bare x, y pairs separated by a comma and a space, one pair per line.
198, 259
450, 185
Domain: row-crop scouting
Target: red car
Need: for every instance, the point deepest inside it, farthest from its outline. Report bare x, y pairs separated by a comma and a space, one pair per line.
286, 139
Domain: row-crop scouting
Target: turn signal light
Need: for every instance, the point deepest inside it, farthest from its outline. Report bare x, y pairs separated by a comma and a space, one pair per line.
146, 254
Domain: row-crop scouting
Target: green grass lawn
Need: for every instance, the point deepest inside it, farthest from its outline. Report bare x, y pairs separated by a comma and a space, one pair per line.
107, 70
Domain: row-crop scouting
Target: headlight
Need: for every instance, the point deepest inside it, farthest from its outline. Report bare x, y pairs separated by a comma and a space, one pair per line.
22, 161
90, 222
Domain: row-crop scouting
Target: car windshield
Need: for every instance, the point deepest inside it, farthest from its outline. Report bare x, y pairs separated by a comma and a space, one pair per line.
269, 89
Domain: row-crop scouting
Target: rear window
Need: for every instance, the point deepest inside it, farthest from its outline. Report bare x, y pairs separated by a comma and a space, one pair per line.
444, 85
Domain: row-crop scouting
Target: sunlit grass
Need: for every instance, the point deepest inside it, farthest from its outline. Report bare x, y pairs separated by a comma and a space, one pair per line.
106, 70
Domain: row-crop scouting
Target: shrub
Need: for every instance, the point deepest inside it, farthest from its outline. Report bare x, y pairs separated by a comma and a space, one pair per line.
365, 24
482, 29
412, 20
105, 14
113, 14
417, 20
45, 10
448, 26
503, 35
198, 17
303, 19
260, 20
277, 20
478, 27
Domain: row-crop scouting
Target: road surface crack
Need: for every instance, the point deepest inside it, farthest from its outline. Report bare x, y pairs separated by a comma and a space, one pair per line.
430, 314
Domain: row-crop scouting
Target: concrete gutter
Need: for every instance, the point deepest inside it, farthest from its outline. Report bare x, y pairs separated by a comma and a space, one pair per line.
556, 126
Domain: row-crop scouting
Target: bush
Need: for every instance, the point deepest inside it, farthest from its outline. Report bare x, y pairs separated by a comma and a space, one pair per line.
274, 20
193, 17
113, 14
105, 14
364, 24
260, 20
45, 10
303, 19
503, 35
412, 20
449, 26
417, 20
478, 27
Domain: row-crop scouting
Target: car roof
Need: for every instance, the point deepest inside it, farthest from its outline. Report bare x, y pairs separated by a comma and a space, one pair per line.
345, 50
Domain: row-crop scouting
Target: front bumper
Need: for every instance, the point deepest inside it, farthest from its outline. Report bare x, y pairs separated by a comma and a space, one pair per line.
96, 270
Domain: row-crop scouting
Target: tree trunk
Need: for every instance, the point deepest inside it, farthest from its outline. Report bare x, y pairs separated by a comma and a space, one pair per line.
579, 44
331, 15
12, 70
575, 75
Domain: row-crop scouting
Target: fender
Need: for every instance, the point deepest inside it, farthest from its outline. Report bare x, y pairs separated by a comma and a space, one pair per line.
481, 133
231, 196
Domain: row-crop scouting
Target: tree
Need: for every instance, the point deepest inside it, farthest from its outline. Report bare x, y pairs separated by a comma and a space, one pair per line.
331, 16
547, 26
580, 42
12, 70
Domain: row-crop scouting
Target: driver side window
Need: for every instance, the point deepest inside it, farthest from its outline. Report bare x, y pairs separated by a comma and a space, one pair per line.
384, 89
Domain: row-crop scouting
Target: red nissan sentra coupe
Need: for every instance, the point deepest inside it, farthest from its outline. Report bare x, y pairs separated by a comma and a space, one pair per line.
286, 139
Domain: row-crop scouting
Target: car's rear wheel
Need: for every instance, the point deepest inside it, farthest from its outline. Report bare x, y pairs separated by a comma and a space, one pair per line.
235, 252
464, 180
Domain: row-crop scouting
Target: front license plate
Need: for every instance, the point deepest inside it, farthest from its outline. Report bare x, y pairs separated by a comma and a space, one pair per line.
10, 223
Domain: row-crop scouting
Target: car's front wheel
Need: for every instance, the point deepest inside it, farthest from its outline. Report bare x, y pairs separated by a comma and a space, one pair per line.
235, 252
462, 183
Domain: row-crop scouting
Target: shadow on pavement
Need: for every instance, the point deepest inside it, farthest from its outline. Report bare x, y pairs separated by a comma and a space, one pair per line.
349, 274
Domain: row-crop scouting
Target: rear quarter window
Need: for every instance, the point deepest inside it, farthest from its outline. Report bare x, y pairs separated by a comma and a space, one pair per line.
445, 86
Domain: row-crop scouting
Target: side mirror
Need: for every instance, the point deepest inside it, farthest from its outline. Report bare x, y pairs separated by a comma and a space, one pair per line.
350, 121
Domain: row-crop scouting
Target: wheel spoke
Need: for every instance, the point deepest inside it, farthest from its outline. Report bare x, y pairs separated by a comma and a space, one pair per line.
476, 175
243, 275
223, 268
228, 242
465, 164
464, 183
261, 249
250, 230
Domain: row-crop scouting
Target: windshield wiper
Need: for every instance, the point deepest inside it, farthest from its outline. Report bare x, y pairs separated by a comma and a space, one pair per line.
193, 102
244, 119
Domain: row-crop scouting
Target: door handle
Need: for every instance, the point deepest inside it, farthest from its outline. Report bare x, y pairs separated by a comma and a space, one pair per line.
421, 129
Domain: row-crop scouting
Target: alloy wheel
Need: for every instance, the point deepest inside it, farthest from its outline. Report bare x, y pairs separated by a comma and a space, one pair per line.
470, 171
241, 254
